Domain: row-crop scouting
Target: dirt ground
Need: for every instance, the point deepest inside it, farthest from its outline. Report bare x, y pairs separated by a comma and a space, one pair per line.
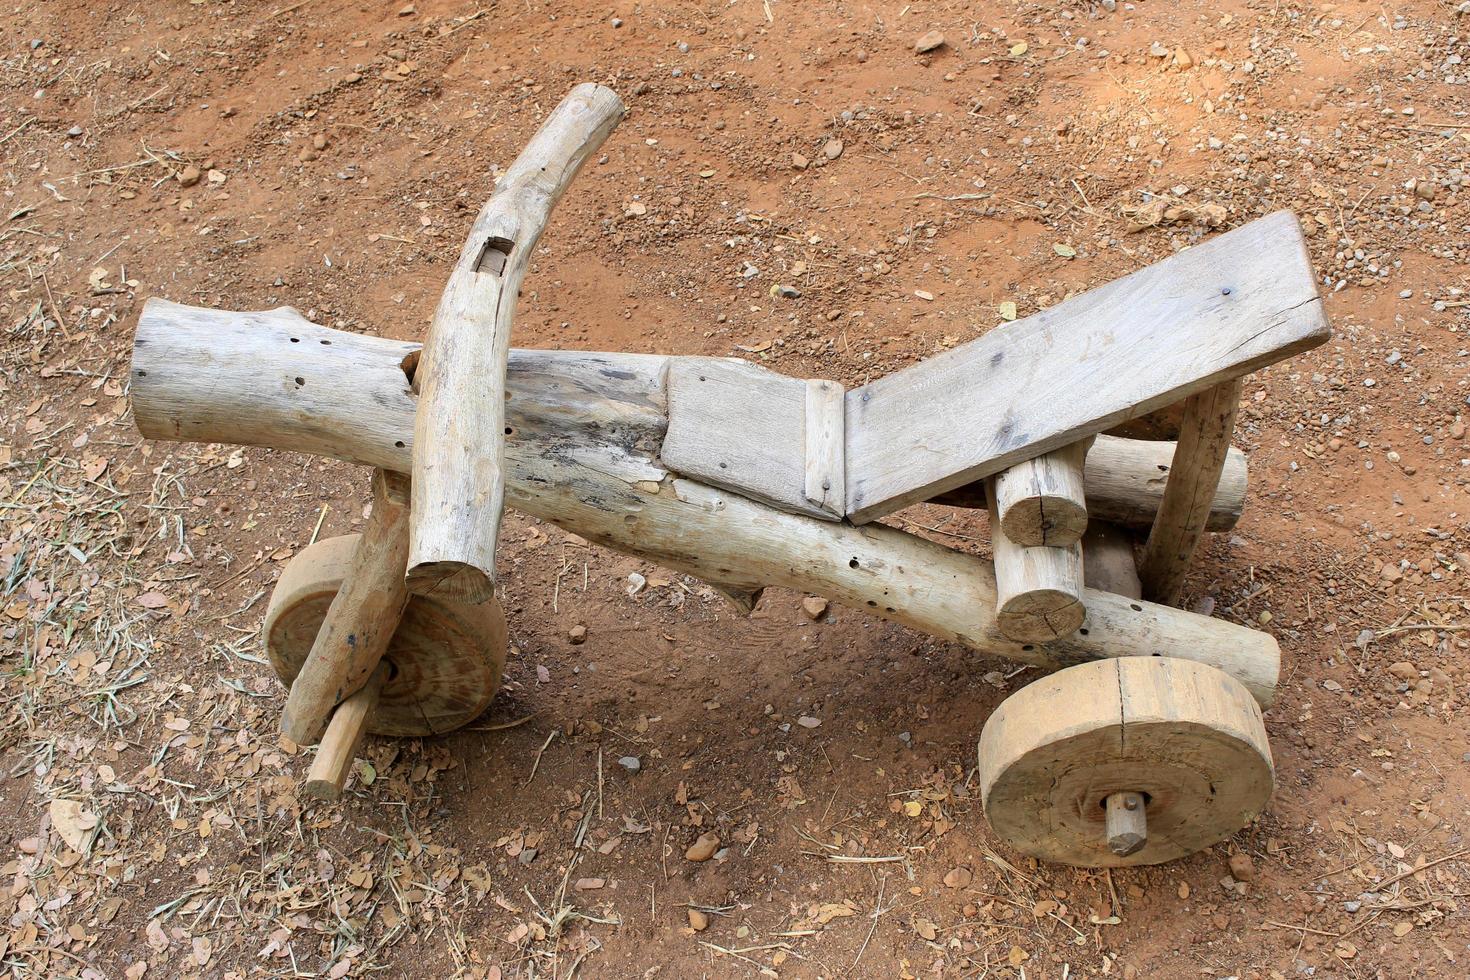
329, 155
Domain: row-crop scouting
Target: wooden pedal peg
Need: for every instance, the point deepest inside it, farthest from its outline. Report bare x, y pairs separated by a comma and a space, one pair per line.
1041, 501
361, 619
1038, 590
1184, 512
333, 762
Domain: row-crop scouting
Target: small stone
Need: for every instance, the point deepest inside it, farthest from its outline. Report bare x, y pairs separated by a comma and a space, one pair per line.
959, 877
527, 855
929, 42
1242, 868
577, 634
1457, 431
1183, 60
319, 141
807, 721
799, 161
1425, 190
352, 77
786, 292
862, 57
698, 921
1351, 908
189, 176
630, 763
814, 606
703, 849
74, 131
1390, 573
1404, 671
832, 149
590, 884
636, 583
617, 22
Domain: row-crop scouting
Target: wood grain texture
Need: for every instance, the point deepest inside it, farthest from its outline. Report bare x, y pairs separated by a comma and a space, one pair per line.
446, 656
738, 426
458, 472
1038, 589
333, 763
361, 619
1124, 482
1213, 312
825, 479
1043, 501
1199, 459
1108, 564
1183, 734
584, 455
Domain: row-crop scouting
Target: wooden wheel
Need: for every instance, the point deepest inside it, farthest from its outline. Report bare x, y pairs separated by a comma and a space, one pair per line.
1060, 759
444, 660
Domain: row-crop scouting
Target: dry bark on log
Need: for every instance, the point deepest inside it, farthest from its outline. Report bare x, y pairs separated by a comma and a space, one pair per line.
459, 490
582, 453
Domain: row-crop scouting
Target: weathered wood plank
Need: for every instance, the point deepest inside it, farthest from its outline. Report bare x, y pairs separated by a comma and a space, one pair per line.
738, 426
826, 471
1210, 313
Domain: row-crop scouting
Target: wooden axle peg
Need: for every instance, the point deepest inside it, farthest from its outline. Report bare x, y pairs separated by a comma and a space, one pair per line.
333, 762
362, 618
1041, 501
459, 431
1038, 591
1126, 823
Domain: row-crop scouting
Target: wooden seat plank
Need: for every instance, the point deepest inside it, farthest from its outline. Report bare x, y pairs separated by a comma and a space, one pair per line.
1212, 312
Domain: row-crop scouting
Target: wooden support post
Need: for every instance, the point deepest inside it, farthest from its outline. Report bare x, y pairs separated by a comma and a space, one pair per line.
333, 762
1199, 457
1038, 590
1041, 501
361, 619
459, 435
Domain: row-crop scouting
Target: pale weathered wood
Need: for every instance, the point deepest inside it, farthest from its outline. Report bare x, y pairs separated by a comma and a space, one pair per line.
361, 619
1127, 822
1124, 481
738, 426
1108, 564
584, 455
550, 393
334, 757
1210, 313
823, 441
445, 658
458, 475
1038, 589
1042, 501
1184, 735
1199, 459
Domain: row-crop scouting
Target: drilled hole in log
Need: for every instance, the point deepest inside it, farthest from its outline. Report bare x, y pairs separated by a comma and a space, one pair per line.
493, 256
300, 382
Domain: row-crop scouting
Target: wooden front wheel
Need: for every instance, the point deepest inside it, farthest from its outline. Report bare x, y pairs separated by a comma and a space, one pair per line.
445, 659
1188, 738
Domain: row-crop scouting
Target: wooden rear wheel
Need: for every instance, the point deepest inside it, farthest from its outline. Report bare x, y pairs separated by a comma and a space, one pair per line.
445, 660
1188, 738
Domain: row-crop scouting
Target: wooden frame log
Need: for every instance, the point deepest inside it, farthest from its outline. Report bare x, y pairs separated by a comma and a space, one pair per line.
361, 619
1043, 501
586, 431
1216, 311
1124, 480
1199, 459
458, 477
1038, 588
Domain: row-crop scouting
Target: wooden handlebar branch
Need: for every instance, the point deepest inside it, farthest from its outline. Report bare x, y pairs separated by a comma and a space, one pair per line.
583, 454
458, 471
